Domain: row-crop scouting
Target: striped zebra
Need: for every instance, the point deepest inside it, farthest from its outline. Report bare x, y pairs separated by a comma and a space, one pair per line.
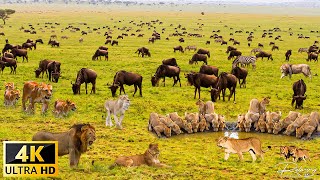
303, 50
245, 60
255, 50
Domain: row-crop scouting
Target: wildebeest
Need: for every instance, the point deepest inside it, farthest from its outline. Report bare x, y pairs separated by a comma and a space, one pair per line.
240, 73
10, 47
303, 50
20, 53
164, 71
53, 43
129, 78
190, 48
203, 51
8, 55
53, 69
299, 90
236, 42
198, 57
99, 53
114, 42
39, 41
9, 62
225, 81
85, 76
234, 53
295, 69
288, 54
201, 80
181, 40
207, 42
312, 56
210, 70
171, 62
143, 51
230, 48
263, 54
274, 47
260, 45
108, 41
224, 42
103, 48
29, 45
43, 64
178, 48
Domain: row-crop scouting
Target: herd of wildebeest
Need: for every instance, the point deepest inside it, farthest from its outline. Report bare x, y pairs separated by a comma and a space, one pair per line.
208, 75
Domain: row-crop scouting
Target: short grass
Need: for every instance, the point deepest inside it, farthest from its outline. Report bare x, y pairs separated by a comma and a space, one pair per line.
193, 156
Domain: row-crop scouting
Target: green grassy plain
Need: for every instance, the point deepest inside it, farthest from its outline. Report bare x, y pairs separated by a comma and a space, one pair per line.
193, 156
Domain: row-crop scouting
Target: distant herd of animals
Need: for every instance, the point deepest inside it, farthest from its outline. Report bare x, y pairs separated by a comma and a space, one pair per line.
205, 120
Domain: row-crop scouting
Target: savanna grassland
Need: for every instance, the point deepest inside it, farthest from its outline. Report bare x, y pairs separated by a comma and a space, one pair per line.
194, 156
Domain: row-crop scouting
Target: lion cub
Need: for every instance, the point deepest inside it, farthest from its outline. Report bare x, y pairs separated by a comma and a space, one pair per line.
300, 154
150, 158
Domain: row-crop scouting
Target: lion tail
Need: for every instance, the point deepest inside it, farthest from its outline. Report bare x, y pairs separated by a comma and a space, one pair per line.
269, 148
112, 166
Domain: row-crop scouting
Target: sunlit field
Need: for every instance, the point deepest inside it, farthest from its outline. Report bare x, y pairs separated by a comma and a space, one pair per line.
192, 156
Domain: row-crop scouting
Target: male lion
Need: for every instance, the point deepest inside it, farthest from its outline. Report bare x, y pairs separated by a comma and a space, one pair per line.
238, 146
73, 142
116, 107
150, 158
62, 108
36, 93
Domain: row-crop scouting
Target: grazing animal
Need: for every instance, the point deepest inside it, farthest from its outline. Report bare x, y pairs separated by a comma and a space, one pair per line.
20, 53
150, 158
263, 54
240, 73
238, 146
29, 45
99, 53
245, 60
204, 51
194, 48
207, 42
39, 41
116, 107
299, 90
289, 69
255, 50
54, 43
164, 71
275, 48
198, 57
36, 93
54, 71
178, 48
8, 55
230, 48
234, 53
240, 122
225, 81
129, 78
210, 70
201, 80
170, 62
312, 56
62, 108
8, 62
73, 142
43, 64
114, 42
303, 50
86, 76
143, 51
224, 42
11, 95
288, 54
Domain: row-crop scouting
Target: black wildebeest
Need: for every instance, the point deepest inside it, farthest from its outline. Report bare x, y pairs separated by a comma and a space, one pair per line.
234, 53
263, 54
103, 48
128, 78
42, 67
178, 48
85, 76
54, 71
240, 73
225, 81
236, 42
143, 51
53, 43
210, 70
299, 90
29, 45
288, 54
9, 62
274, 47
164, 71
99, 53
230, 48
108, 41
260, 45
201, 80
20, 53
10, 47
312, 56
203, 51
114, 42
170, 62
39, 41
198, 57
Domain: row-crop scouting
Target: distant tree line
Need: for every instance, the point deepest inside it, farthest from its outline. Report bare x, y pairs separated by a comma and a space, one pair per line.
5, 13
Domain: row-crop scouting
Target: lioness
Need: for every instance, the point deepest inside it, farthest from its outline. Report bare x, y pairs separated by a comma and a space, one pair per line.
62, 108
238, 146
150, 158
116, 107
158, 126
240, 122
73, 142
180, 122
36, 93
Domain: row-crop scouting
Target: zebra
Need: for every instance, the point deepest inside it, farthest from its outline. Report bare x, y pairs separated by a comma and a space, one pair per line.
303, 50
255, 50
245, 60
